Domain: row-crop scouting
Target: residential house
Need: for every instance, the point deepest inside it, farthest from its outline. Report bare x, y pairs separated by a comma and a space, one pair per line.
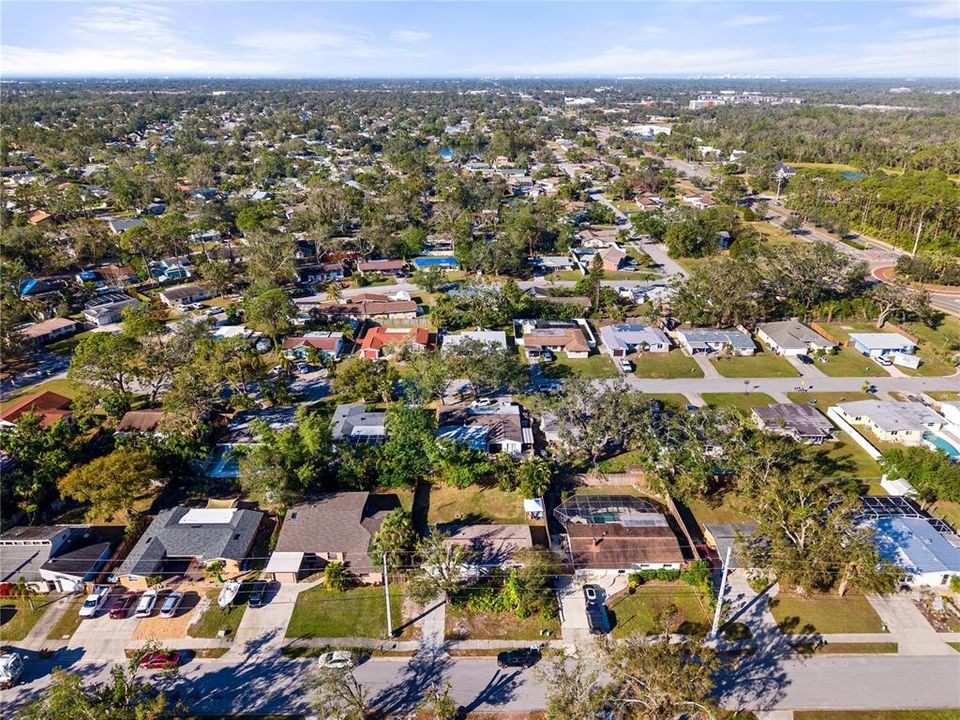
379, 341
335, 527
614, 534
363, 310
614, 259
50, 406
107, 309
394, 268
622, 339
141, 422
876, 345
709, 340
355, 424
572, 337
436, 261
181, 295
181, 537
648, 203
320, 272
784, 172
804, 423
905, 423
301, 349
793, 338
47, 331
501, 427
928, 557
121, 225
223, 461
61, 558
487, 337
701, 202
725, 537
551, 263
488, 547
543, 295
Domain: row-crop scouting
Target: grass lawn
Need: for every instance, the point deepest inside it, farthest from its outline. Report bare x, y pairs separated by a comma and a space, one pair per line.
881, 445
673, 364
955, 646
874, 715
826, 399
67, 344
754, 366
949, 511
841, 330
740, 401
357, 612
851, 648
67, 624
728, 511
17, 618
595, 367
638, 613
619, 463
486, 504
933, 365
214, 619
844, 458
775, 235
678, 401
944, 394
62, 387
463, 624
935, 344
838, 167
850, 363
825, 614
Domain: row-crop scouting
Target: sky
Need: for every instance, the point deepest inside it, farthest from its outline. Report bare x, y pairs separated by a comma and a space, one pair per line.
667, 38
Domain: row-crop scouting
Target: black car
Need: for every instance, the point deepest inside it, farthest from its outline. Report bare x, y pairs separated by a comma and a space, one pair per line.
258, 593
523, 658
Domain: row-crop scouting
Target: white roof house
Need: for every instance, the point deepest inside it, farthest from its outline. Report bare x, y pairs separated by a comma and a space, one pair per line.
916, 546
874, 344
792, 337
696, 340
623, 338
899, 422
495, 337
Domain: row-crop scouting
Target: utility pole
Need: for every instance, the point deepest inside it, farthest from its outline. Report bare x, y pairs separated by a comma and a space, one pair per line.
386, 591
720, 594
916, 242
779, 183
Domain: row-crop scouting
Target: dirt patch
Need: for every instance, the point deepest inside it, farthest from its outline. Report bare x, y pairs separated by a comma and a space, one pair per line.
158, 628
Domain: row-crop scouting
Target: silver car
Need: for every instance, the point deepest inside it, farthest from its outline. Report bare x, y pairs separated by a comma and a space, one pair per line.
171, 604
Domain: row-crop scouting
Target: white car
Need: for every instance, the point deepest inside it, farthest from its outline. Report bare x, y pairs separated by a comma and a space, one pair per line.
95, 600
336, 660
147, 602
625, 365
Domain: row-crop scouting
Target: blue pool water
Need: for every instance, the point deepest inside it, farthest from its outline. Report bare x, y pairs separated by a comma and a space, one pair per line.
949, 450
853, 175
447, 153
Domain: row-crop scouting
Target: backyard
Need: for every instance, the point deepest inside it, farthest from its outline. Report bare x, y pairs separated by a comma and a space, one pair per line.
641, 612
357, 612
475, 504
673, 364
763, 364
825, 614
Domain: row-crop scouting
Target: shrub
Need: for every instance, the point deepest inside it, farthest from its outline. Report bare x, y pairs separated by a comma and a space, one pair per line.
955, 584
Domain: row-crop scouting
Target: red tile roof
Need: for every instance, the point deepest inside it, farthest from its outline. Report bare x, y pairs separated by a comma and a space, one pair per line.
49, 405
379, 336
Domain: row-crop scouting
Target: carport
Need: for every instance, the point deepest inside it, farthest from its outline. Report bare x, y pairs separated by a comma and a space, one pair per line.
284, 567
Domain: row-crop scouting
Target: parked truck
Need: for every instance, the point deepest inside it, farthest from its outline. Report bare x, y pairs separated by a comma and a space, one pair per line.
597, 619
11, 667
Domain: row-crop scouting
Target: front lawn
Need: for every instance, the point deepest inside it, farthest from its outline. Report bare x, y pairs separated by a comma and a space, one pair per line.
739, 401
476, 504
214, 618
17, 619
68, 622
673, 364
851, 648
677, 401
465, 624
761, 365
849, 363
640, 612
843, 458
595, 367
944, 394
825, 614
937, 346
358, 612
826, 399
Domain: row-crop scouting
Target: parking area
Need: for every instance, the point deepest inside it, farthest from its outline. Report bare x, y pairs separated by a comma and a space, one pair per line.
575, 627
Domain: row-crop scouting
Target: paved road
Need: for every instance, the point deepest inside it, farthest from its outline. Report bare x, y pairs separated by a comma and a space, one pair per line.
274, 684
785, 385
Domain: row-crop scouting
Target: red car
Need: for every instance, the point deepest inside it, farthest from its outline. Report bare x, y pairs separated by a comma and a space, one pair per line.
121, 606
160, 660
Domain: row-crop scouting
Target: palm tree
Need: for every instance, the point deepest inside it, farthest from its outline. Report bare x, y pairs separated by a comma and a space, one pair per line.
25, 591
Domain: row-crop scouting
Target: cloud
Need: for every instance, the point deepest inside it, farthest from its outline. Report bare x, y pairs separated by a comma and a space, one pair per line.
746, 21
410, 36
949, 10
282, 42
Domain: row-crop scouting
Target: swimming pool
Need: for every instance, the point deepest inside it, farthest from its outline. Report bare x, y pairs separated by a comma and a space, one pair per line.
938, 442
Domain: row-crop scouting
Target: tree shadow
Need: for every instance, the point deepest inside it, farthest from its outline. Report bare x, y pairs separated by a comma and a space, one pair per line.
434, 608
421, 507
423, 671
499, 690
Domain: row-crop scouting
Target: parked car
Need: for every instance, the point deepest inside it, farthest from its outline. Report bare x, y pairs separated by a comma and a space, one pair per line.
258, 593
171, 604
336, 660
625, 365
11, 668
95, 600
592, 594
522, 658
120, 607
872, 390
147, 602
162, 660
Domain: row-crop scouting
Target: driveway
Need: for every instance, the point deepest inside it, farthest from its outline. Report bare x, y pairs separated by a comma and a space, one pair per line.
262, 629
101, 638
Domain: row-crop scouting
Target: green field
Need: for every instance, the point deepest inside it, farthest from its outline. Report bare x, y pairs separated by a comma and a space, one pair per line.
479, 504
754, 366
639, 613
18, 619
825, 614
673, 364
357, 612
595, 367
849, 363
739, 401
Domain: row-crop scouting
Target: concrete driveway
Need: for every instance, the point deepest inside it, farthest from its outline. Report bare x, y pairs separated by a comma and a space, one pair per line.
262, 629
101, 638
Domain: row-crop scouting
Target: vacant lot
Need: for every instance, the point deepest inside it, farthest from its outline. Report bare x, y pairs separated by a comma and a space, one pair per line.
754, 366
641, 612
740, 401
474, 504
464, 624
673, 364
357, 612
845, 459
850, 363
825, 614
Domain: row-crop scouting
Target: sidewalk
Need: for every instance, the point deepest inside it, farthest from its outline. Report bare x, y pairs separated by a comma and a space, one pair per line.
262, 629
907, 626
36, 639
